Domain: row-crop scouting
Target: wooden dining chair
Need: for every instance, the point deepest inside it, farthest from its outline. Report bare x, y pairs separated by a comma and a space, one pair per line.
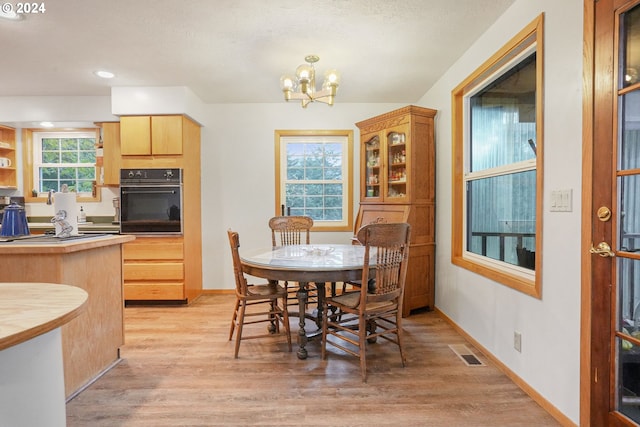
256, 303
356, 240
290, 230
293, 230
368, 314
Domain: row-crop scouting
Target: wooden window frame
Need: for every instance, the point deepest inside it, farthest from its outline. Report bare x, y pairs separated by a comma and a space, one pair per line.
347, 181
529, 283
28, 162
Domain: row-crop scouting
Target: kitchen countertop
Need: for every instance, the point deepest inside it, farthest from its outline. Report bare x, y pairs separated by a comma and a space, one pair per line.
32, 316
28, 310
82, 227
94, 224
91, 341
49, 246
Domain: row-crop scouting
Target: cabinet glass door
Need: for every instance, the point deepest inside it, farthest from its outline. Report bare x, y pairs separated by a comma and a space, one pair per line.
396, 189
373, 168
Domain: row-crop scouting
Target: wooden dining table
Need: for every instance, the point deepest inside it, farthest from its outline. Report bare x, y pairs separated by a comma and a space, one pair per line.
306, 264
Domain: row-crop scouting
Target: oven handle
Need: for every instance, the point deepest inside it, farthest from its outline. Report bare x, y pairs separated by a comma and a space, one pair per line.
149, 192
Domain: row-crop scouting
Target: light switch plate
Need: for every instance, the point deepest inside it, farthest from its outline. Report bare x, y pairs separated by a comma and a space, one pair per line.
561, 200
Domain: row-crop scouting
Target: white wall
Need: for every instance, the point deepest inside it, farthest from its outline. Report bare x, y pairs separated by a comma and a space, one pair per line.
491, 312
28, 111
238, 173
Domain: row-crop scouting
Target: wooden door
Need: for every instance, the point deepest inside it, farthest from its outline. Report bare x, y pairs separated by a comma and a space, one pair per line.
135, 135
112, 155
614, 217
166, 135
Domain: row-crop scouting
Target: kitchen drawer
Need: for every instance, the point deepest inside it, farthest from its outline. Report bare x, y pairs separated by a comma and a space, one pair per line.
149, 271
154, 249
154, 291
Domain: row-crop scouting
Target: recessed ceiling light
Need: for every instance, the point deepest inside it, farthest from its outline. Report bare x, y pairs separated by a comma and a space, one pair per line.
46, 124
104, 74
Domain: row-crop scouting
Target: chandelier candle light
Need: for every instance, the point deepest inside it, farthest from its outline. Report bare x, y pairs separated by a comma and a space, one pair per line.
303, 86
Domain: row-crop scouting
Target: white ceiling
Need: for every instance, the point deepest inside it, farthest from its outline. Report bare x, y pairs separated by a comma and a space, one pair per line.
234, 51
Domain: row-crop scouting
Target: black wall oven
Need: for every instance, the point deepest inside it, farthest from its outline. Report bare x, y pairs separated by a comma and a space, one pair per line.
151, 201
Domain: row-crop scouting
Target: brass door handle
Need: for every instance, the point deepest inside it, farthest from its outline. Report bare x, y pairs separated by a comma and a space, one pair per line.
603, 249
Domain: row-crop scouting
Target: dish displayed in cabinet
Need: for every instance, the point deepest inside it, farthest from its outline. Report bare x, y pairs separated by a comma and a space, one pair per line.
397, 164
372, 148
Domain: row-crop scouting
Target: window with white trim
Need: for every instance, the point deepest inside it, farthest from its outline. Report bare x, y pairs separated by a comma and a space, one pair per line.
314, 177
498, 165
64, 157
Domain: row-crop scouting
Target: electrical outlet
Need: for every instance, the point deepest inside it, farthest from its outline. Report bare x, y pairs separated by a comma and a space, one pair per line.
517, 341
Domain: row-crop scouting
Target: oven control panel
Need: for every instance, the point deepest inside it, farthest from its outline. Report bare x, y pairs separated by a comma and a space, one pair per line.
151, 176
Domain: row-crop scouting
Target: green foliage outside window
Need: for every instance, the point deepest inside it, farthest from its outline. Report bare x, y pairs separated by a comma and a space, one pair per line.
69, 161
314, 180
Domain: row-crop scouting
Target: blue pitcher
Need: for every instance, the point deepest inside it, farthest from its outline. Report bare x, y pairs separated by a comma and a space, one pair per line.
14, 221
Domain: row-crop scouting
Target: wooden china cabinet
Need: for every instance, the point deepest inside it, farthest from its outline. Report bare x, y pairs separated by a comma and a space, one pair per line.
397, 184
8, 177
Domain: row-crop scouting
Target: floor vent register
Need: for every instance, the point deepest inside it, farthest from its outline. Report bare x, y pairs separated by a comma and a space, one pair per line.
466, 355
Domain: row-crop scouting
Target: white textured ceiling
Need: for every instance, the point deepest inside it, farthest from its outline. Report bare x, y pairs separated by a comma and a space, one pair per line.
234, 51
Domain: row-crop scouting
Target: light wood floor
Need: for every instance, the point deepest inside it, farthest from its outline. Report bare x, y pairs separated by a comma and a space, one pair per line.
178, 370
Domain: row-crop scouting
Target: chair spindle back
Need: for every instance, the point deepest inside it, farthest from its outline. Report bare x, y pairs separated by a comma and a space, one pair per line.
241, 280
390, 242
290, 230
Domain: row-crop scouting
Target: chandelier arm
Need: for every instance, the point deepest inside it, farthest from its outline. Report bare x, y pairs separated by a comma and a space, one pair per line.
303, 88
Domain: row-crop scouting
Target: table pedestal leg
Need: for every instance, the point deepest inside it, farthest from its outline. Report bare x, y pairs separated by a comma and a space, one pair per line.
303, 295
273, 323
321, 296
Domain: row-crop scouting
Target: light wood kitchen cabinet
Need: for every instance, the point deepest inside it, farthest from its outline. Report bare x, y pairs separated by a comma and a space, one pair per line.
154, 269
168, 268
397, 184
135, 135
91, 342
111, 163
166, 135
151, 135
8, 174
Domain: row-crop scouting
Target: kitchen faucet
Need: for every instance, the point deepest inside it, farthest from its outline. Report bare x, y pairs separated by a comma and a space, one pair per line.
50, 197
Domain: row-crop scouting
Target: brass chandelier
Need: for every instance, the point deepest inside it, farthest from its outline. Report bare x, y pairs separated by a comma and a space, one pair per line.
303, 86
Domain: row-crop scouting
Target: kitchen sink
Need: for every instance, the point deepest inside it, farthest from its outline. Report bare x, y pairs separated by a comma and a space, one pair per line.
48, 238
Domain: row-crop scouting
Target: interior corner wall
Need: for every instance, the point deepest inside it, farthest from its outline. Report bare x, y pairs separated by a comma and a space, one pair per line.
490, 312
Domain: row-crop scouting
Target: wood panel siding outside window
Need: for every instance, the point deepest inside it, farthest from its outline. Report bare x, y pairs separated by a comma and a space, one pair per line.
314, 176
497, 158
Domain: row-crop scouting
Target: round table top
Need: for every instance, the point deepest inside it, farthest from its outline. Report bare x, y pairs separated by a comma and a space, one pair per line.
307, 257
307, 263
31, 309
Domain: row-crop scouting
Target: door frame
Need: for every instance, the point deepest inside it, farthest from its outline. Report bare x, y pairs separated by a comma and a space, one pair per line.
587, 169
586, 368
596, 301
